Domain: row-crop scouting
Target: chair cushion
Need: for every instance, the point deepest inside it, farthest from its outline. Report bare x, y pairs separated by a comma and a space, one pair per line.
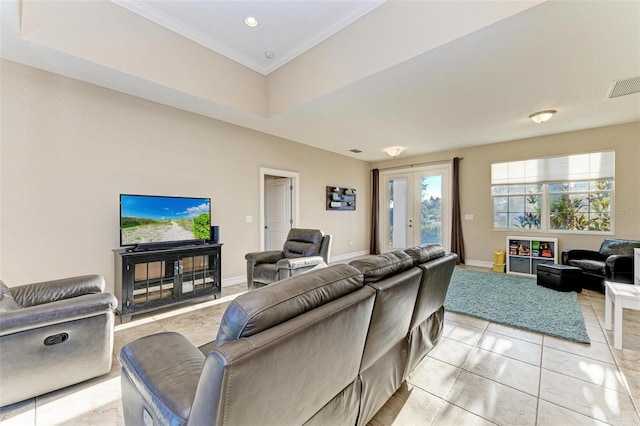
616, 246
7, 303
425, 252
592, 266
258, 310
302, 243
381, 266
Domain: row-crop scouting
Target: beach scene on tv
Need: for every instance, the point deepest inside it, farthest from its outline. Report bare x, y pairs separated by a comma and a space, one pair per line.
149, 219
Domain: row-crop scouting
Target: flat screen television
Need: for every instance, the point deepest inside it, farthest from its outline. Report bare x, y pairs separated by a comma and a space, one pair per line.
165, 221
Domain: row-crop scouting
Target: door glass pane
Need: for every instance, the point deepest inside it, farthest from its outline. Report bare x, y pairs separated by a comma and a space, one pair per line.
397, 237
431, 209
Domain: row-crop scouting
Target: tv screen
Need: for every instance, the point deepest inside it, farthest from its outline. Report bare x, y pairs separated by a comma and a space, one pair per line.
154, 219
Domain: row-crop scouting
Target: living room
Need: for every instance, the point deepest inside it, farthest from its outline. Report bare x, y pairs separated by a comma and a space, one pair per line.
69, 148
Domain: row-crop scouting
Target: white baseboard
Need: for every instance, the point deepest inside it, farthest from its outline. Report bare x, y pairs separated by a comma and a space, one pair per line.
478, 263
240, 279
348, 256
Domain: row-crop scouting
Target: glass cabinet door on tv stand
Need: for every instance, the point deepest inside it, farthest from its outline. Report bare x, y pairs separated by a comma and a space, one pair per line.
151, 280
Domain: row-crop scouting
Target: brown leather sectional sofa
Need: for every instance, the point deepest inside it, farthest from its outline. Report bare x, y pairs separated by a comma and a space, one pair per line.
327, 347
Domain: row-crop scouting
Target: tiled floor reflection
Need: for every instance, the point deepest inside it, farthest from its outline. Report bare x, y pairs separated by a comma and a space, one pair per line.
481, 373
486, 373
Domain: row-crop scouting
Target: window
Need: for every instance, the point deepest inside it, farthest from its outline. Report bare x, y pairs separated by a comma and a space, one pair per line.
571, 193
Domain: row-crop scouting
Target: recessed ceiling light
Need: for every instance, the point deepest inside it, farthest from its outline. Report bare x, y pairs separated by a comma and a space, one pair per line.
269, 54
250, 21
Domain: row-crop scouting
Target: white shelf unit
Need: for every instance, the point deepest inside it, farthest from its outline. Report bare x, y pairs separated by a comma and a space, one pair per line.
524, 254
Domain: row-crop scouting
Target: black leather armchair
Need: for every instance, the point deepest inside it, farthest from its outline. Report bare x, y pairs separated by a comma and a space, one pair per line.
304, 250
613, 262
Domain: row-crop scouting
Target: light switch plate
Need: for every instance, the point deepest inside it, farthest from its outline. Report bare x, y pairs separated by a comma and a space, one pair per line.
249, 219
468, 216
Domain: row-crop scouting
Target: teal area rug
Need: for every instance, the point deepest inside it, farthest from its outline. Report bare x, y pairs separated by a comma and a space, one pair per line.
517, 302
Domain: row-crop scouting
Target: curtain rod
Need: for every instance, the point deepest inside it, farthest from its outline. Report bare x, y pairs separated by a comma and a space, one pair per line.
408, 166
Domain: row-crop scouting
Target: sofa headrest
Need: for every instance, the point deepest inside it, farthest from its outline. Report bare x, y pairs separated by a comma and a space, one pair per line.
425, 252
616, 246
258, 310
382, 266
303, 243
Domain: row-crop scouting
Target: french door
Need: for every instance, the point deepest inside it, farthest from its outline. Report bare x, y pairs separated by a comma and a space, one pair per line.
416, 207
277, 212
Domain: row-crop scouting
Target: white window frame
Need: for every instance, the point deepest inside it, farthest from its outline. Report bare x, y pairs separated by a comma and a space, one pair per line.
545, 171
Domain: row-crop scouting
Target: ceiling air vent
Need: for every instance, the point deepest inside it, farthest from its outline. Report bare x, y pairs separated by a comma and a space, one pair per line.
624, 87
355, 151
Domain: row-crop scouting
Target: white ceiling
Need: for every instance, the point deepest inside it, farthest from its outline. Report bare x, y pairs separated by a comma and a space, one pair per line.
285, 28
428, 76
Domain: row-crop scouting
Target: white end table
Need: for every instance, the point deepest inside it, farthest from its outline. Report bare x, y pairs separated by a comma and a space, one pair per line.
621, 296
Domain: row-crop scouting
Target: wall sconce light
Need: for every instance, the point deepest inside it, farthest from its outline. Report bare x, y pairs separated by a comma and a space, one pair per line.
394, 151
542, 116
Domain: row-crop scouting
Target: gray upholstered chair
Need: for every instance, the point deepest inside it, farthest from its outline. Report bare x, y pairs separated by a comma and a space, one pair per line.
304, 250
54, 334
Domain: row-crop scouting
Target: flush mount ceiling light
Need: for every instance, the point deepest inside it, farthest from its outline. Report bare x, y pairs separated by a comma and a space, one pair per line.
269, 54
542, 116
250, 21
394, 151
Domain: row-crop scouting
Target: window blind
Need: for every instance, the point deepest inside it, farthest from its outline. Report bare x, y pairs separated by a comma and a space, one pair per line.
576, 167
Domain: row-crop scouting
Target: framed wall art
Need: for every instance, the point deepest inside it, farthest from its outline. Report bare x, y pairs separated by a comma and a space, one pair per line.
341, 198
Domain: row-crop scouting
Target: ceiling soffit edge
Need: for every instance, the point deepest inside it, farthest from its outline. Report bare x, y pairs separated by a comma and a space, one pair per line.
160, 18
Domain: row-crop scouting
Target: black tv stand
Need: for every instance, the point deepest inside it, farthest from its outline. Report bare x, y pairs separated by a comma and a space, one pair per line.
154, 278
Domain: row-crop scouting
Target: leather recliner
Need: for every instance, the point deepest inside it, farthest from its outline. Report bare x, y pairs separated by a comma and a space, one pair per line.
427, 320
303, 251
407, 318
54, 334
396, 283
613, 262
284, 354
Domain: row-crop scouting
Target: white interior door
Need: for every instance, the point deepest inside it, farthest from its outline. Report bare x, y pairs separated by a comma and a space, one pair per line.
416, 207
278, 205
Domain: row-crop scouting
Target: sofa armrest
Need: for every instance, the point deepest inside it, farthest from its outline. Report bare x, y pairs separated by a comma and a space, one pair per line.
164, 369
569, 254
299, 262
619, 267
56, 312
264, 257
51, 291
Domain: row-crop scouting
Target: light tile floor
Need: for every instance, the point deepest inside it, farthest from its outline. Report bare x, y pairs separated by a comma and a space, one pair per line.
481, 373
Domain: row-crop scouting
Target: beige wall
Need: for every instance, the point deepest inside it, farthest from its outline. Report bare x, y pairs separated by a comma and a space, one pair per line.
475, 171
68, 149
